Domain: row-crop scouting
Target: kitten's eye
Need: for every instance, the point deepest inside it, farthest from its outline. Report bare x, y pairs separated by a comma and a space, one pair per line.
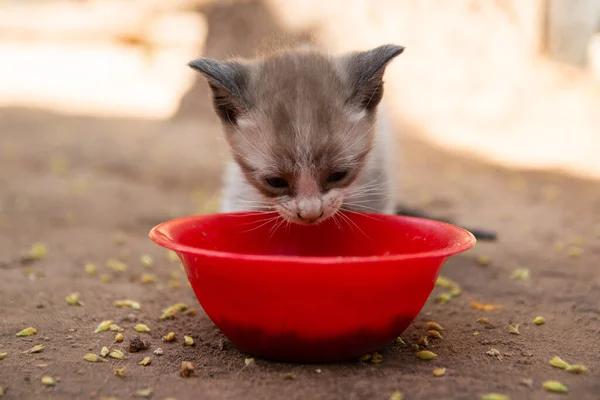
277, 183
337, 176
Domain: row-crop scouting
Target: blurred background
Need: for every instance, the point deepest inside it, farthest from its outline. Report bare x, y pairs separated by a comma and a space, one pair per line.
100, 90
105, 132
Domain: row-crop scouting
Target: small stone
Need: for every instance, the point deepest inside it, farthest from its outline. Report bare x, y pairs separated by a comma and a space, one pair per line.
186, 369
137, 344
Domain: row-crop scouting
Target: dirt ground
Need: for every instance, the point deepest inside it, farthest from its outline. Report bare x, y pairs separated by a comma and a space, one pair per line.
91, 189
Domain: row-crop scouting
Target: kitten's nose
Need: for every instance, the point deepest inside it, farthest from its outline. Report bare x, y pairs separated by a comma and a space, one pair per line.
310, 216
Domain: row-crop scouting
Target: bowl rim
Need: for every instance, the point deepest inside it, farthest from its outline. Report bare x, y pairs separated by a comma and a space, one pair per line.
160, 238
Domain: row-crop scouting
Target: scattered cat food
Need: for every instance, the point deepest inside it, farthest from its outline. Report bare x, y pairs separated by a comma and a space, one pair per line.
115, 328
494, 396
444, 297
89, 268
169, 337
104, 352
539, 320
483, 260
128, 303
288, 376
103, 326
2, 355
485, 307
36, 252
191, 312
434, 334
475, 333
119, 337
146, 278
365, 357
105, 278
577, 368
146, 260
439, 372
27, 332
145, 361
189, 341
2, 391
249, 361
35, 349
520, 274
48, 380
575, 251
483, 320
172, 256
514, 329
560, 363
93, 358
116, 265
397, 396
423, 341
445, 283
377, 358
73, 299
144, 392
399, 340
426, 355
174, 283
494, 353
554, 386
117, 354
158, 352
434, 326
186, 369
142, 328
119, 372
137, 344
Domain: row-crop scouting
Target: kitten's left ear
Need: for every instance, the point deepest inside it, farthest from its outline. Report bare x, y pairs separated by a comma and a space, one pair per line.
228, 81
364, 71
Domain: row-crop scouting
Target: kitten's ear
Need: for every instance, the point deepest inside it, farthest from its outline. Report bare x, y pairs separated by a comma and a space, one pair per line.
364, 71
228, 81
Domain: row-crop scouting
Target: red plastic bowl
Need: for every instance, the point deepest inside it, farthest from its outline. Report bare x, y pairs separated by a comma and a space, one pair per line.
318, 293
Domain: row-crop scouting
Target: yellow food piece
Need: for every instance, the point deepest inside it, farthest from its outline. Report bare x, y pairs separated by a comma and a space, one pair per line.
485, 307
554, 386
434, 326
73, 299
147, 278
89, 268
145, 361
142, 328
426, 355
116, 265
27, 332
48, 380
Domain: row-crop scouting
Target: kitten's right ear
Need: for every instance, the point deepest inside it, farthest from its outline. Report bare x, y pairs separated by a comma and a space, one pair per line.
364, 71
228, 81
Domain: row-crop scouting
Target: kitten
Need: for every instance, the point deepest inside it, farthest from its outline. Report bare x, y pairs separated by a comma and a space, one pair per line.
303, 133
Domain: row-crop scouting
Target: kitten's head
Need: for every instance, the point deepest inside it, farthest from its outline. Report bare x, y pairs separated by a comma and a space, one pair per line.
300, 123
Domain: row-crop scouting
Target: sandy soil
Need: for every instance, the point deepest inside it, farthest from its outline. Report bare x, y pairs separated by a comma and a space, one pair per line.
74, 183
